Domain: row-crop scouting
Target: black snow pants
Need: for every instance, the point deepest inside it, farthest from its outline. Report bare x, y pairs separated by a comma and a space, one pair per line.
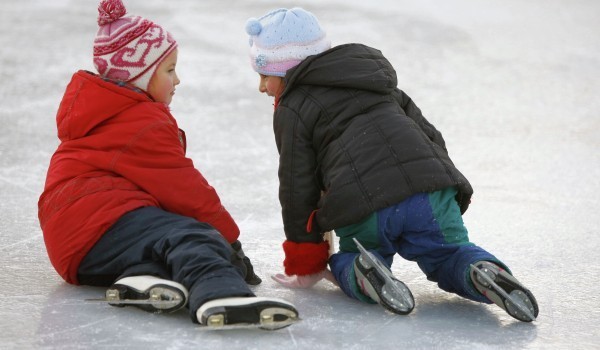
151, 241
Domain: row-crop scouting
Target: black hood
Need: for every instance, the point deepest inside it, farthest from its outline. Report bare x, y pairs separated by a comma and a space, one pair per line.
353, 66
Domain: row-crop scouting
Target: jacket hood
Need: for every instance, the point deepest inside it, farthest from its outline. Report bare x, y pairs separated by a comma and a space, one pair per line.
353, 66
90, 100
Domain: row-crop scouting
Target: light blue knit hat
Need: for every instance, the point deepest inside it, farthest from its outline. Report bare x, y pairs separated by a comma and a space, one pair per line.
282, 38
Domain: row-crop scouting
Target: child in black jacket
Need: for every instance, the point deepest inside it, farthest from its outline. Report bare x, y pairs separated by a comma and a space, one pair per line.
358, 157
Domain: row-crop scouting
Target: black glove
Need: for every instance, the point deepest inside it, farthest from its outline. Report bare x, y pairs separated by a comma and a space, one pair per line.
239, 259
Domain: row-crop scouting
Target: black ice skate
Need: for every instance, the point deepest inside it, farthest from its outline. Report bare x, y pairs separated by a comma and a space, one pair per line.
247, 312
378, 282
148, 293
504, 290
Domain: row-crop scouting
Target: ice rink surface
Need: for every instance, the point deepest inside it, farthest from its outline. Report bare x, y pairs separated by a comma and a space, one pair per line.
512, 85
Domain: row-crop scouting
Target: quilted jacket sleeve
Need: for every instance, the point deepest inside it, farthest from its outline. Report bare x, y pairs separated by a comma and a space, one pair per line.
299, 192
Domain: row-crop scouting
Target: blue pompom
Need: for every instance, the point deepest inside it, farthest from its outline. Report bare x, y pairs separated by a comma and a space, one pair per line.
253, 26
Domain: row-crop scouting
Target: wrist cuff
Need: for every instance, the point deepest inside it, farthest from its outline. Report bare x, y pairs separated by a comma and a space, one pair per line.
305, 258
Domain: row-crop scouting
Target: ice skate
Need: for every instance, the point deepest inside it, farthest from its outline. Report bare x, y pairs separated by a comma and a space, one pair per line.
378, 282
148, 293
247, 312
504, 290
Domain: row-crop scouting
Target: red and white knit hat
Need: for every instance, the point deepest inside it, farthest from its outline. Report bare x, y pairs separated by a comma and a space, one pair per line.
128, 48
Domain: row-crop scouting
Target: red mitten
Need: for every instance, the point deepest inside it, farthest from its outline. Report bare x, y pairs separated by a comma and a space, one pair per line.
305, 258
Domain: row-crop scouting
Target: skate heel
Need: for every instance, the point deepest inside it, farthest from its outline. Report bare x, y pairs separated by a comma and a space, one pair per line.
378, 282
247, 312
504, 290
148, 293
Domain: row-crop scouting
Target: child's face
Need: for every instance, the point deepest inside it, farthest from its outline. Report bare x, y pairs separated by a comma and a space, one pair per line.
163, 82
271, 85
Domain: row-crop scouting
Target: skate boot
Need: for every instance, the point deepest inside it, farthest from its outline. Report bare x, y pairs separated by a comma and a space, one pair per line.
247, 312
378, 282
504, 290
148, 293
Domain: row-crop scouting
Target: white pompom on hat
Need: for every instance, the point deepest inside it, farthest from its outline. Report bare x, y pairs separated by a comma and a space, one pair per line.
129, 48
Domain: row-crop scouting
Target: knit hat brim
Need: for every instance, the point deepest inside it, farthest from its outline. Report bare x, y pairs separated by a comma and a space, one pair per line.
276, 62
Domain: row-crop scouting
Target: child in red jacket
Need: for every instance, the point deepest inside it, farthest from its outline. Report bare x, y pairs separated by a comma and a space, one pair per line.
123, 206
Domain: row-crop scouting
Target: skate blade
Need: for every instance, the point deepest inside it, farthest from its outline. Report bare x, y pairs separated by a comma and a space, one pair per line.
391, 290
162, 303
159, 298
270, 320
515, 301
399, 297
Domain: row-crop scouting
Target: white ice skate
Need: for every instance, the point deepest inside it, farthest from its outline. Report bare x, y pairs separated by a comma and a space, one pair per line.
247, 312
504, 290
378, 282
148, 293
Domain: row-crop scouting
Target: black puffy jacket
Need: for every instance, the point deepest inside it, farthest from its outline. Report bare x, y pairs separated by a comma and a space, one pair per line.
350, 143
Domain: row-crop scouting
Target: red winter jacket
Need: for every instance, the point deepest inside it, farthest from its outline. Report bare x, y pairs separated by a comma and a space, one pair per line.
119, 151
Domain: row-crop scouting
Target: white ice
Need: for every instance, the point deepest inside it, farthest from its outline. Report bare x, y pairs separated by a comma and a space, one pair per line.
513, 86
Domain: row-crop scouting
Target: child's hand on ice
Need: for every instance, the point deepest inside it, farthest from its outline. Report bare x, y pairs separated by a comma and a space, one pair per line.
305, 281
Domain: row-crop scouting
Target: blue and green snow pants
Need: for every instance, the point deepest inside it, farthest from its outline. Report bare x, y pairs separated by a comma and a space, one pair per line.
426, 228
